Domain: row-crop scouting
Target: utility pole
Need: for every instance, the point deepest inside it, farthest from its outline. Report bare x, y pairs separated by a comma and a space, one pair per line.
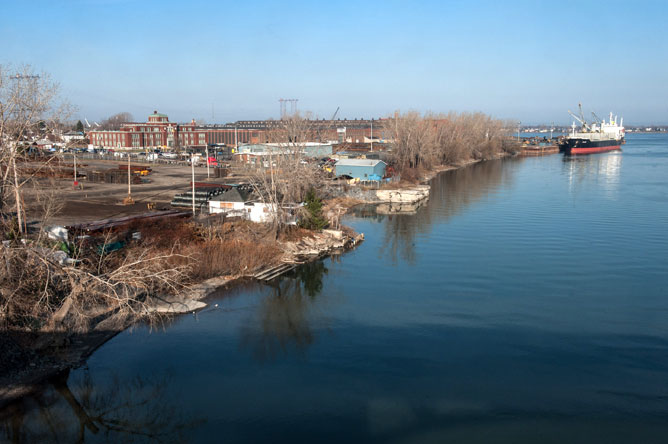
372, 135
128, 200
208, 175
192, 166
236, 140
129, 181
75, 169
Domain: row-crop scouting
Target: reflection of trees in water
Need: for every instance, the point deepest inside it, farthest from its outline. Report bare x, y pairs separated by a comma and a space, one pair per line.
79, 410
282, 320
399, 238
451, 192
366, 212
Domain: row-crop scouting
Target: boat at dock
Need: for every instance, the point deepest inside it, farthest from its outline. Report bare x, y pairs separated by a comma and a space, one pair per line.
597, 137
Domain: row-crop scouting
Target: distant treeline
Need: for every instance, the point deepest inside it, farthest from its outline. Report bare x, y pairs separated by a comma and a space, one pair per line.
431, 140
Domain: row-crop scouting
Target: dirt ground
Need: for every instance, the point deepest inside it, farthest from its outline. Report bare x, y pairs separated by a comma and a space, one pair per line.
94, 201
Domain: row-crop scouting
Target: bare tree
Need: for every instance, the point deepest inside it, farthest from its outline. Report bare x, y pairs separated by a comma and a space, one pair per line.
284, 174
438, 139
114, 122
28, 111
38, 288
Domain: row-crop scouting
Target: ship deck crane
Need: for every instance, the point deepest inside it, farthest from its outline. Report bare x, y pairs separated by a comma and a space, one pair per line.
581, 118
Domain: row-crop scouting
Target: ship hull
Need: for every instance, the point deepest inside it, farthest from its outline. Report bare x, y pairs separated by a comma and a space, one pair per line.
586, 146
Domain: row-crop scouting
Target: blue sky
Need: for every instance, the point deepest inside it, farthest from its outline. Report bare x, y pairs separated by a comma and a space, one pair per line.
525, 60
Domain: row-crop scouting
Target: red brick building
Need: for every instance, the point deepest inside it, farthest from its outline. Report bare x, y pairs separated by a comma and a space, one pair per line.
159, 132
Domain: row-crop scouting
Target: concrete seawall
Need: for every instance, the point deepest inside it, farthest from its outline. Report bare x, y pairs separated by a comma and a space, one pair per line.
410, 195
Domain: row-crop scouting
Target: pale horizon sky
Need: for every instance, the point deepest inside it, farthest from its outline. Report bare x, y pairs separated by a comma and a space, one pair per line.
524, 60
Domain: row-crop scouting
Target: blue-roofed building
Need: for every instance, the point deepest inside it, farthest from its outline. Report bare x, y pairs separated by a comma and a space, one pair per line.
362, 169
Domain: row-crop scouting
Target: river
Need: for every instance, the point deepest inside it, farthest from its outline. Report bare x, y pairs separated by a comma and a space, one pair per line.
527, 301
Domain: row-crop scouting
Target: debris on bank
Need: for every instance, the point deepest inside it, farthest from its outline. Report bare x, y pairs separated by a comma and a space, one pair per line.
408, 195
320, 244
310, 248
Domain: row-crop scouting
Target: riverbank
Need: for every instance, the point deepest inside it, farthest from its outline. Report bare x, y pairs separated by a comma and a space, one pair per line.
402, 197
57, 352
438, 295
32, 357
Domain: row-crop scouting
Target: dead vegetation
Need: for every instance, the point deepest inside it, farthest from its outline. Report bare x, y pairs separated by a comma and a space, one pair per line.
39, 293
424, 142
282, 177
43, 290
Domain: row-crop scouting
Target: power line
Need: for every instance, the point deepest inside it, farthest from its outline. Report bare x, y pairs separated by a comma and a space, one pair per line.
24, 76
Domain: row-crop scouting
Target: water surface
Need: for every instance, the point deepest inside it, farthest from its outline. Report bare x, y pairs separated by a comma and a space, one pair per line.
526, 302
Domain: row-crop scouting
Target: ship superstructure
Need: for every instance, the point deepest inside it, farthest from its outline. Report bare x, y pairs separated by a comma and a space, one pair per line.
597, 137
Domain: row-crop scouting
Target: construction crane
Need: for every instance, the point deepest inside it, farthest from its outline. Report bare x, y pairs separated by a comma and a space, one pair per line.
580, 118
335, 113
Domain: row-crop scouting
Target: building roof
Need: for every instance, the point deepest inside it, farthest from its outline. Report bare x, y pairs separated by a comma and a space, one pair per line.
358, 162
233, 195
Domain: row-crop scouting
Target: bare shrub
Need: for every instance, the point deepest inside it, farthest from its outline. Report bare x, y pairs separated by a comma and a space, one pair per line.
37, 292
231, 257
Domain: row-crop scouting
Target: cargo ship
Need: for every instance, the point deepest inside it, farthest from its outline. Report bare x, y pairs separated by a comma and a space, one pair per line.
597, 137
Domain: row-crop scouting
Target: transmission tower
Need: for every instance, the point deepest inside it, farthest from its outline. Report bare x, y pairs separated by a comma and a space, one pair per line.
293, 107
282, 102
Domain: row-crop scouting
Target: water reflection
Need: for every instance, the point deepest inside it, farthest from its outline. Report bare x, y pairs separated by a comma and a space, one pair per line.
451, 193
604, 169
81, 409
282, 322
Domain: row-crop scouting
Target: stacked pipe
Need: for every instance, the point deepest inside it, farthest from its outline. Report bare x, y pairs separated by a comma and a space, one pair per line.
202, 197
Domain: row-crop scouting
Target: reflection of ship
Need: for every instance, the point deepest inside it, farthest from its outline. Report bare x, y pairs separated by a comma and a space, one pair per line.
604, 170
598, 137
